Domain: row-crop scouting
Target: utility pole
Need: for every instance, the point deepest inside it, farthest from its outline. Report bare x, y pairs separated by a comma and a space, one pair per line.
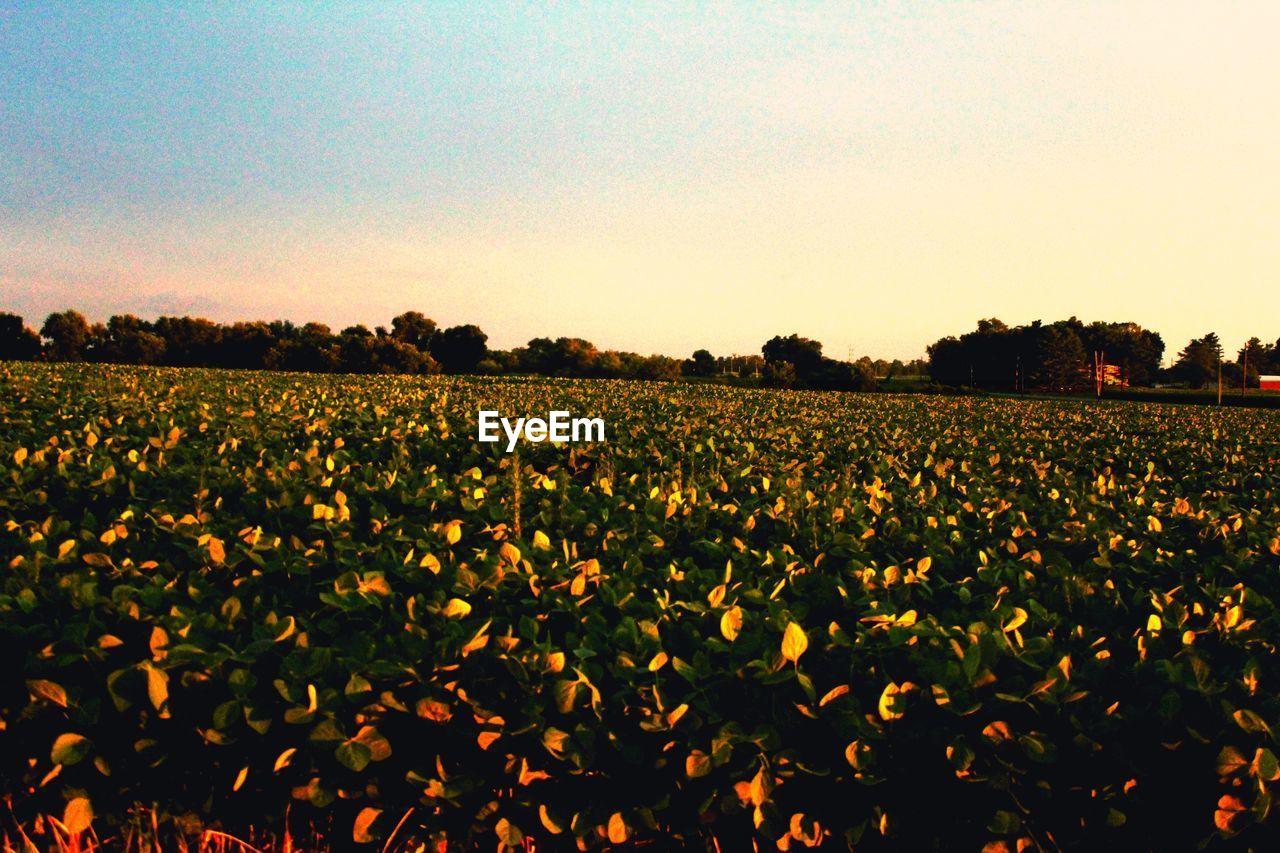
1219, 380
1244, 377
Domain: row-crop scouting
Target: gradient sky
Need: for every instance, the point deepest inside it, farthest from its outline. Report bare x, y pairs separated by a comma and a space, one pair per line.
653, 177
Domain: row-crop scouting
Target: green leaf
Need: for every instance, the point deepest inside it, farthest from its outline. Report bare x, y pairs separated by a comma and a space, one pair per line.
353, 755
69, 748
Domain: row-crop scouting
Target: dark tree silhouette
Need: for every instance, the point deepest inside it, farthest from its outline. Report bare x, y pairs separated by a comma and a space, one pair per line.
17, 342
459, 349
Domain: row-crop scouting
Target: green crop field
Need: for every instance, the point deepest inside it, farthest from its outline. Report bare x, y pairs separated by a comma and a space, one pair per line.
236, 600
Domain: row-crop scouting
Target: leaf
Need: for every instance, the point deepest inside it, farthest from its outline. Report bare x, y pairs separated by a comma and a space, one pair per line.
1228, 814
48, 690
618, 831
794, 642
282, 761
244, 774
1250, 721
697, 764
548, 821
508, 833
157, 686
217, 553
353, 755
456, 607
1265, 766
890, 702
362, 832
540, 541
69, 748
731, 623
78, 815
1230, 761
377, 744
658, 662
453, 532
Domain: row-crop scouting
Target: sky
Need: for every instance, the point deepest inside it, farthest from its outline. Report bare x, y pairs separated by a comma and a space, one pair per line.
653, 177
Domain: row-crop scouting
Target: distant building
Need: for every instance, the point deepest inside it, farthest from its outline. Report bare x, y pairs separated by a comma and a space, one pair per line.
1112, 375
1269, 383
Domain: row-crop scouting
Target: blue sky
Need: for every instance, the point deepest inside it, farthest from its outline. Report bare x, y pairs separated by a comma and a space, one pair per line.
653, 177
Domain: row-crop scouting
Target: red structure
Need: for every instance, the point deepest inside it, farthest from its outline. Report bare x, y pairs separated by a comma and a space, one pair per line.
1269, 383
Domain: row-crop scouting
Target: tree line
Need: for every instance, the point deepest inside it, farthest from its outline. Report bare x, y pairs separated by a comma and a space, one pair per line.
413, 344
1065, 356
1071, 356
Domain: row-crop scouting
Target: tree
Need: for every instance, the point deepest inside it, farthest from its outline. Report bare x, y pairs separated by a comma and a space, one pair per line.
1255, 358
703, 363
459, 349
1198, 363
67, 333
415, 329
244, 346
947, 363
17, 342
194, 341
561, 357
804, 354
393, 356
130, 340
1058, 362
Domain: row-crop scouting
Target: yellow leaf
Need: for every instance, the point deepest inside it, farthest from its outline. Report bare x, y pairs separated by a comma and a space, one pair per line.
1018, 620
284, 759
453, 532
456, 607
658, 662
731, 623
216, 552
889, 702
923, 565
19, 455
157, 686
510, 553
794, 642
244, 774
319, 511
430, 563
540, 541
65, 548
